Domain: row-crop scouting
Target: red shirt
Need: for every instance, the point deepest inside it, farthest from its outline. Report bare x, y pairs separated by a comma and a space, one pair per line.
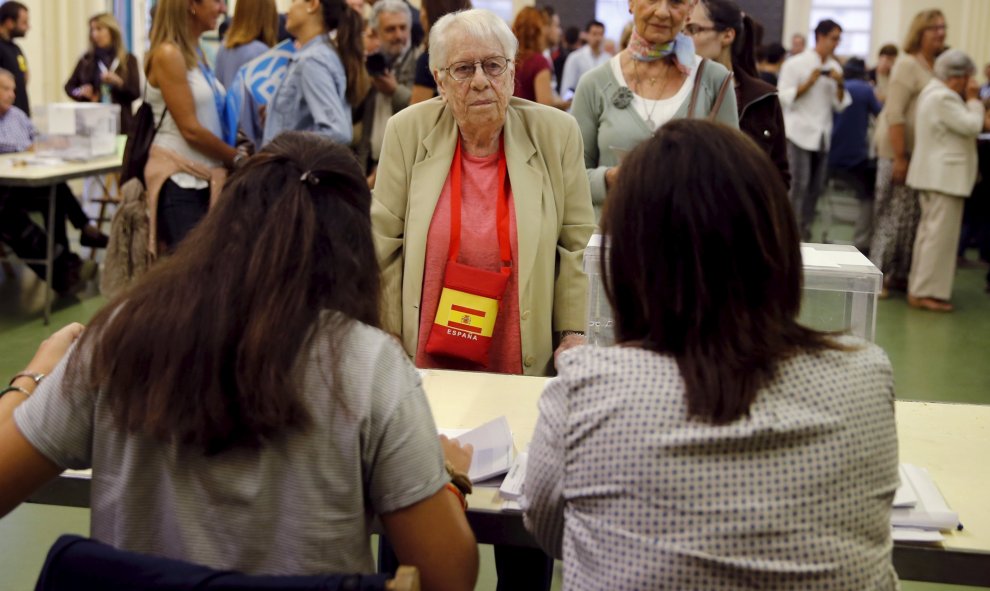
526, 74
479, 248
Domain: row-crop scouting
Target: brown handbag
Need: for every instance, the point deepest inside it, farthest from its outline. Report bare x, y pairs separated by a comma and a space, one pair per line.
726, 84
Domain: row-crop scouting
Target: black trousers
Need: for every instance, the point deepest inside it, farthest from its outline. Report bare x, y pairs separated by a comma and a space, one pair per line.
179, 211
29, 241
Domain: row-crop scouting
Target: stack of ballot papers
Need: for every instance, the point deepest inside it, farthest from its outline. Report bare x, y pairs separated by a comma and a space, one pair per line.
920, 511
493, 448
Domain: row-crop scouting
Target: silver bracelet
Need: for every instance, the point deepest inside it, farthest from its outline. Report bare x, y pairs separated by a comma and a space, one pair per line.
37, 377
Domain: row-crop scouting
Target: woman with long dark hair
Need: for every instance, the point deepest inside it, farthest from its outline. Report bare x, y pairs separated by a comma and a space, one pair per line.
107, 72
326, 78
720, 442
724, 33
239, 406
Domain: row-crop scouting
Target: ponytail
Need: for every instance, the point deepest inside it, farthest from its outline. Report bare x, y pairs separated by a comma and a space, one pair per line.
744, 48
726, 14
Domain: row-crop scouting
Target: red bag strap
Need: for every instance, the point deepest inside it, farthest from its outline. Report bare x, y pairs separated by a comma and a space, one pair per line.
501, 211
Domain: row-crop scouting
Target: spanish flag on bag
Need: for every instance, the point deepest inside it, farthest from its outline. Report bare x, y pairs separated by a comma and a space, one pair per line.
468, 306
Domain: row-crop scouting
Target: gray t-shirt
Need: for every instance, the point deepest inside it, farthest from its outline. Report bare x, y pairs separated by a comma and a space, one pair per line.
300, 505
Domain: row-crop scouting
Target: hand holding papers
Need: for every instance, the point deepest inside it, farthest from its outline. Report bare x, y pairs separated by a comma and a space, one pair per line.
493, 450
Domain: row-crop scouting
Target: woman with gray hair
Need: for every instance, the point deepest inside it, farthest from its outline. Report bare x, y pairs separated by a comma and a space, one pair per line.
943, 171
481, 214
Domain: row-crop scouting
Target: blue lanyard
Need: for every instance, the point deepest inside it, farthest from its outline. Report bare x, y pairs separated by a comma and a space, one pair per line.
218, 99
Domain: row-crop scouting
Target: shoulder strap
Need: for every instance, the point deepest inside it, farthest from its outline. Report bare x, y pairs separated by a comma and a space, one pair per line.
144, 98
694, 90
726, 84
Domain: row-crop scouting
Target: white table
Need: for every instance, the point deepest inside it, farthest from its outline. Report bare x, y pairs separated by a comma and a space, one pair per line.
951, 440
14, 173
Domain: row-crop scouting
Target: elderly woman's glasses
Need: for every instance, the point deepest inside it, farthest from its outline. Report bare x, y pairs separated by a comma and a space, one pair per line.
493, 67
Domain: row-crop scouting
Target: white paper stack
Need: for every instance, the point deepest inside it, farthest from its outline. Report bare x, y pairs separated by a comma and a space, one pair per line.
920, 511
493, 448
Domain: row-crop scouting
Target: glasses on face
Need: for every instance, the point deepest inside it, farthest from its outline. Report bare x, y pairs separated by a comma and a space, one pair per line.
492, 67
693, 29
937, 28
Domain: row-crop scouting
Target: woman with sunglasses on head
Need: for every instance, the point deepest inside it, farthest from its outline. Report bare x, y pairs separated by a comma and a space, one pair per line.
239, 407
481, 215
724, 33
193, 146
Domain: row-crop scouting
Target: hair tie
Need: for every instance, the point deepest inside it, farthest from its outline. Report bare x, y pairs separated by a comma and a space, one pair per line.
309, 177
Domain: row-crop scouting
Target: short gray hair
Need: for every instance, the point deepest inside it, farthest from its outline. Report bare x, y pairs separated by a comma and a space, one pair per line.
7, 74
476, 23
954, 63
391, 7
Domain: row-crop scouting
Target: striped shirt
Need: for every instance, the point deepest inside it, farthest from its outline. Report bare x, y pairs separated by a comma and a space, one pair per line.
17, 133
637, 495
302, 504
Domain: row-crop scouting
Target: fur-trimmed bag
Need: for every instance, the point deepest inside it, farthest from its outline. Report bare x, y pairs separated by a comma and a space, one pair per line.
127, 256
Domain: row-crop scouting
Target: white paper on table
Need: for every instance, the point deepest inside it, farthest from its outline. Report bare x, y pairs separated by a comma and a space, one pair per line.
905, 495
511, 488
493, 448
61, 120
915, 534
930, 511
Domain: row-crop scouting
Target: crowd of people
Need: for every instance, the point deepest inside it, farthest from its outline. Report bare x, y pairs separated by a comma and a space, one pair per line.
387, 203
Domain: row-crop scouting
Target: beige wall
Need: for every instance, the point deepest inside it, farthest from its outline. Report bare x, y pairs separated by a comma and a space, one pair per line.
58, 36
967, 19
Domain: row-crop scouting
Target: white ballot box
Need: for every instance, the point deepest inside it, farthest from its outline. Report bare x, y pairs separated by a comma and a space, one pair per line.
841, 287
76, 131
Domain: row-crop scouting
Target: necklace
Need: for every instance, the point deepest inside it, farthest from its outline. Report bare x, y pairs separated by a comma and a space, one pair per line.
649, 114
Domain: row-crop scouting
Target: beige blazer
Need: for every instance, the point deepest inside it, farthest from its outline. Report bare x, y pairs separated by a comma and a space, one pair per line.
946, 127
554, 218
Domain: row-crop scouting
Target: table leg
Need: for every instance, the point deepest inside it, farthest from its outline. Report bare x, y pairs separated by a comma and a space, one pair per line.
49, 254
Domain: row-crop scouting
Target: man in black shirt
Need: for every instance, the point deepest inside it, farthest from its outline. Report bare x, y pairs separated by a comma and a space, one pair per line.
14, 24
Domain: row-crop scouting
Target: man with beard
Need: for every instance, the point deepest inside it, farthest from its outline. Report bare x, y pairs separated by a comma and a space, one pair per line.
393, 70
14, 24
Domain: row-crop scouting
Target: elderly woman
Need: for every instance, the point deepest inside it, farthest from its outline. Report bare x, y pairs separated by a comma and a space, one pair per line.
655, 79
943, 171
722, 445
508, 172
481, 216
895, 207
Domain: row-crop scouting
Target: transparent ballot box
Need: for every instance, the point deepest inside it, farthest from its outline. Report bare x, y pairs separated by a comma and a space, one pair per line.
76, 131
841, 287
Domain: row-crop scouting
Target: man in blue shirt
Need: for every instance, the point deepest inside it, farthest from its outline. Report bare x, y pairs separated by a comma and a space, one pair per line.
27, 239
849, 158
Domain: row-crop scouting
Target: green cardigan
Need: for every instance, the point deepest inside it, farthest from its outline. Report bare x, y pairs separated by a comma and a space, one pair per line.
605, 126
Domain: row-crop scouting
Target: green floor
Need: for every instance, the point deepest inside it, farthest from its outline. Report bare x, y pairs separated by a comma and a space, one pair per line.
940, 357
